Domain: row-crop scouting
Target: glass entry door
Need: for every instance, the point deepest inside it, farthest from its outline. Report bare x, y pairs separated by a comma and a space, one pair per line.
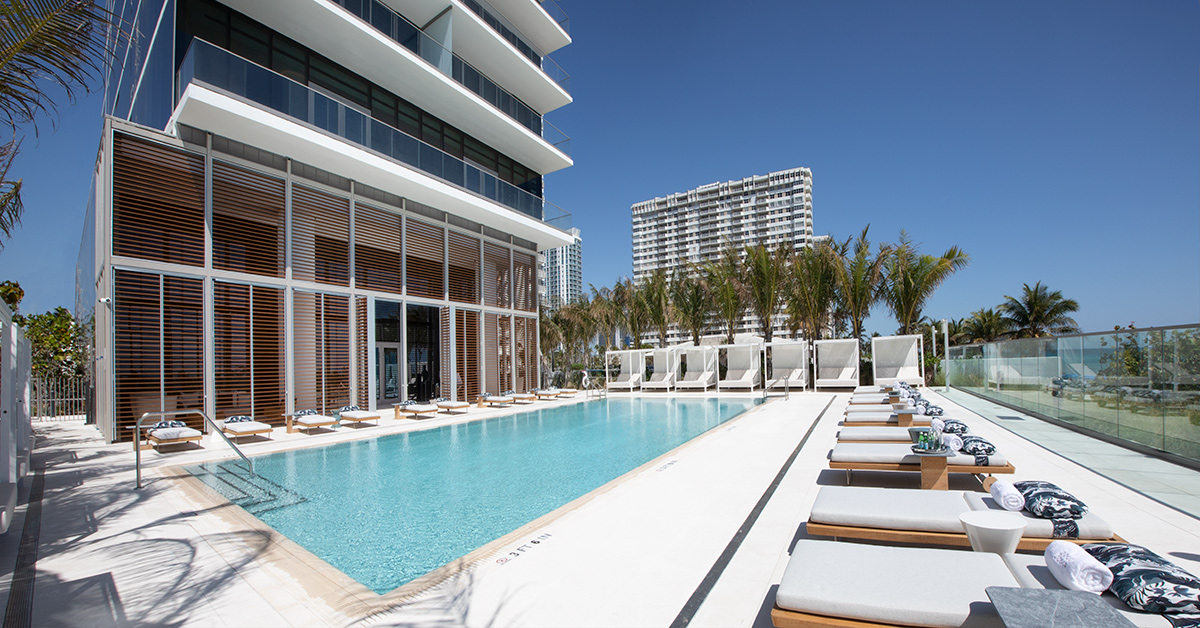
424, 366
387, 366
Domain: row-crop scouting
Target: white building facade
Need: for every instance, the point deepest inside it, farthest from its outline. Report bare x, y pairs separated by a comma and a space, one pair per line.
696, 226
561, 277
305, 204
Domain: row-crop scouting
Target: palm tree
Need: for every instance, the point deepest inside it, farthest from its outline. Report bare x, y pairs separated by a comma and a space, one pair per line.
812, 295
766, 280
631, 308
605, 315
1039, 312
911, 279
724, 278
44, 44
655, 291
860, 280
691, 300
983, 325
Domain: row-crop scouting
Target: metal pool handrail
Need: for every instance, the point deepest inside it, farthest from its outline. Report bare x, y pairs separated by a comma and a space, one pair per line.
137, 438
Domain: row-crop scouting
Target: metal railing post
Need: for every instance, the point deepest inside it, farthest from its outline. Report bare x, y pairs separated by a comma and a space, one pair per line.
137, 438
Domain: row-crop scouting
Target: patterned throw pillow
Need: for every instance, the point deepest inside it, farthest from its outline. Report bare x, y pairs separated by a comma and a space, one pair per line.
1045, 500
1148, 582
241, 418
348, 409
979, 448
954, 426
934, 410
306, 413
161, 424
176, 424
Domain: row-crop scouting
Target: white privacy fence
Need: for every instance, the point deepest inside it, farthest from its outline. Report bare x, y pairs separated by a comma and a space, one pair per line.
16, 433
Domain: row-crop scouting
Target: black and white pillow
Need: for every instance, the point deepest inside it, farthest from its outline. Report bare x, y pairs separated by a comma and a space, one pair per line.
241, 418
306, 413
978, 447
1048, 501
348, 409
1148, 582
954, 426
934, 410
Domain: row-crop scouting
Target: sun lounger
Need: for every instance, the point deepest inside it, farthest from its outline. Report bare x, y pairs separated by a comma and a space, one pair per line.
522, 397
546, 393
884, 418
871, 586
450, 407
493, 400
934, 470
898, 515
177, 434
873, 434
743, 363
413, 410
308, 420
568, 392
352, 414
242, 425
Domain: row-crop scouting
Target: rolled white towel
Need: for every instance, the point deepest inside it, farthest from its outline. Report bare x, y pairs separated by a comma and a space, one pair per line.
954, 442
1006, 494
1076, 569
937, 424
904, 394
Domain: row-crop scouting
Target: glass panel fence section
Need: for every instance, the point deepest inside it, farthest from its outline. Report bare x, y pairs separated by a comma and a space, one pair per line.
1142, 386
557, 14
218, 68
491, 17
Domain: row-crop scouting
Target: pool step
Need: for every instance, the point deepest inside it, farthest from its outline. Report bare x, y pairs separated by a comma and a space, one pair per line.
254, 493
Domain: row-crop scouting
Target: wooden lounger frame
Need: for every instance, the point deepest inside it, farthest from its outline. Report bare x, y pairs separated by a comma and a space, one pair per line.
492, 401
547, 395
924, 537
155, 442
237, 435
294, 427
423, 413
783, 618
934, 472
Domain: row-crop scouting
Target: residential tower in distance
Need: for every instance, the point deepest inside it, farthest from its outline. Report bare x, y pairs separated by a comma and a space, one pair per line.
561, 279
696, 226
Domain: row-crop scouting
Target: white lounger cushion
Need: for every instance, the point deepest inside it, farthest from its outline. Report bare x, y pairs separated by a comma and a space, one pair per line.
871, 417
172, 433
876, 433
1090, 525
313, 419
897, 585
868, 389
414, 408
360, 415
900, 453
246, 426
890, 508
498, 399
453, 405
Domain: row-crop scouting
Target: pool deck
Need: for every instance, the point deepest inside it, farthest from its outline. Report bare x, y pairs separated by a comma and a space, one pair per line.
637, 552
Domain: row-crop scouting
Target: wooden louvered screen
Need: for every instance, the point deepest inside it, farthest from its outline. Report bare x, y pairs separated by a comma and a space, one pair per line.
497, 287
362, 355
524, 282
158, 202
466, 357
463, 257
424, 250
321, 341
532, 356
247, 221
320, 237
248, 349
521, 382
377, 261
158, 357
444, 387
491, 353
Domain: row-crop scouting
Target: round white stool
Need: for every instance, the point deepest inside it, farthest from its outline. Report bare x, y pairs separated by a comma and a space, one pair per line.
993, 531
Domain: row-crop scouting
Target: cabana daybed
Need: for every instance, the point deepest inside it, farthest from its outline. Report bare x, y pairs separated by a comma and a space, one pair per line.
837, 363
701, 369
742, 362
789, 365
666, 370
898, 359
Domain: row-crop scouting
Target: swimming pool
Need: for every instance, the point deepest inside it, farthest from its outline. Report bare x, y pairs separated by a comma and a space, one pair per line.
390, 509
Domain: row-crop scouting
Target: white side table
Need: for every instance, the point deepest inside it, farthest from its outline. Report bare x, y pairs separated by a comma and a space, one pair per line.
993, 531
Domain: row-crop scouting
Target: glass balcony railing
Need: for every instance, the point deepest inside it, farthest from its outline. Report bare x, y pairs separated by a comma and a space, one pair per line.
557, 14
1140, 385
405, 33
489, 14
219, 69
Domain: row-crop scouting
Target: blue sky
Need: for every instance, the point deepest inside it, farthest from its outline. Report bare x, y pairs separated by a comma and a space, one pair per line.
1054, 142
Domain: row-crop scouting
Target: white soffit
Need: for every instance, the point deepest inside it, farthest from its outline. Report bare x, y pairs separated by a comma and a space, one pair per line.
534, 23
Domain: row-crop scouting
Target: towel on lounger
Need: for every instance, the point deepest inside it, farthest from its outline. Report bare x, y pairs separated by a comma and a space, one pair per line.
1076, 569
937, 424
1007, 495
953, 441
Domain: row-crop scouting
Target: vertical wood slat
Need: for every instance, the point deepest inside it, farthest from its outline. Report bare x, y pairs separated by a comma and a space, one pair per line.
491, 353
269, 354
497, 286
158, 353
158, 202
320, 236
424, 250
524, 282
362, 355
248, 214
377, 260
463, 257
321, 340
467, 364
336, 316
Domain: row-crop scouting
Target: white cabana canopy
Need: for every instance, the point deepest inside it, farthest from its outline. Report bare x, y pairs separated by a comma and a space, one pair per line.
633, 368
742, 366
898, 359
789, 364
836, 363
666, 369
701, 368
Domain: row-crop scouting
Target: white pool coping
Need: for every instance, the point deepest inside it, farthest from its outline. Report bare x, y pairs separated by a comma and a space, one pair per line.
630, 555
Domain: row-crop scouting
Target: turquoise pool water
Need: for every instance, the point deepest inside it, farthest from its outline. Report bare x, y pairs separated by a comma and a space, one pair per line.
390, 509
